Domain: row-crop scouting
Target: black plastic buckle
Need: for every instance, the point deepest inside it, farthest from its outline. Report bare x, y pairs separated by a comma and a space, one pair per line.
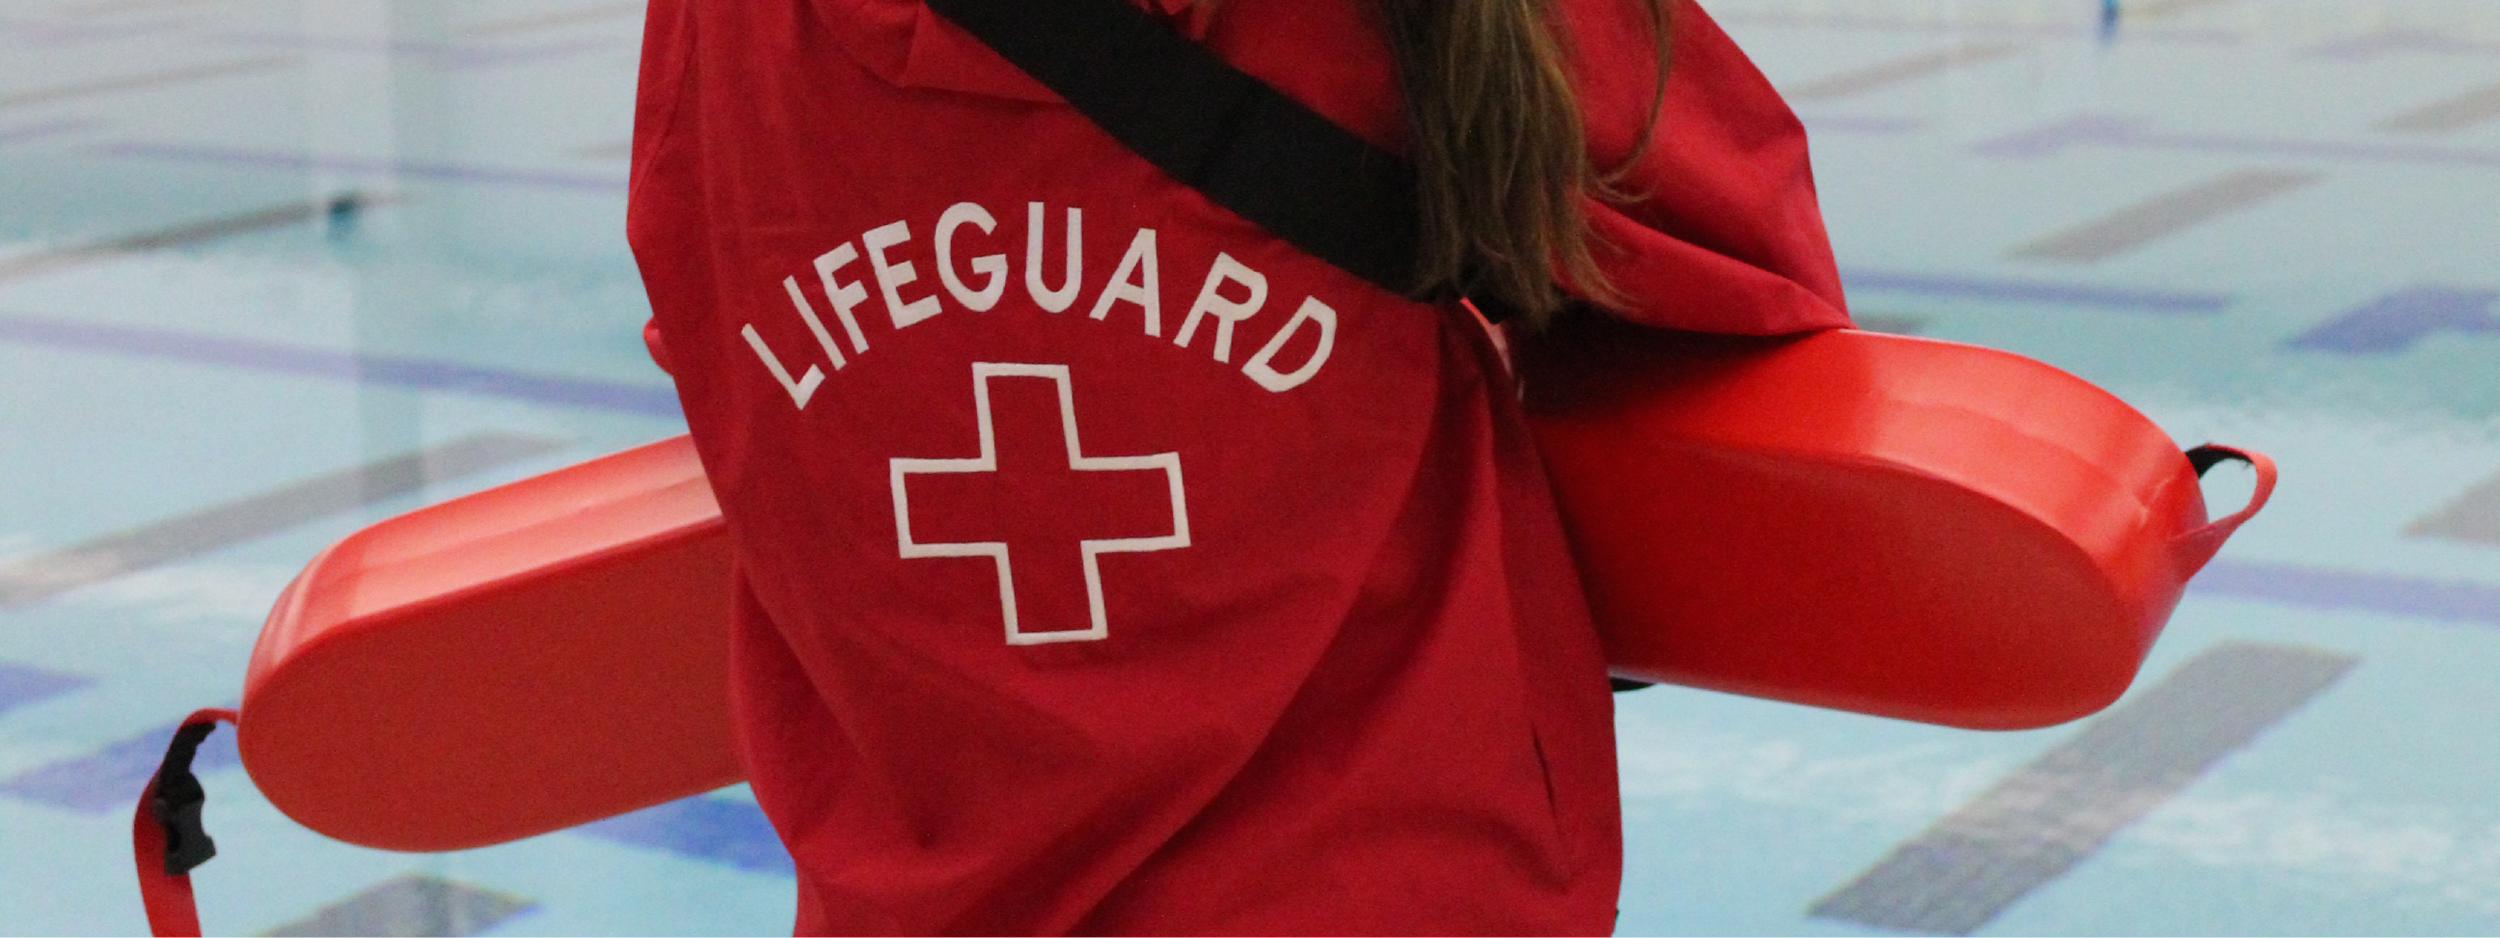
178, 801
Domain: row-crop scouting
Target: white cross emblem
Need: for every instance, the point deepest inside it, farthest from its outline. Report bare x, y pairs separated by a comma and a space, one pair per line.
901, 469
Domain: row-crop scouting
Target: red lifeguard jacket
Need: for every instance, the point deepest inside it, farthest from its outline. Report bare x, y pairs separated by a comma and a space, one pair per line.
1108, 563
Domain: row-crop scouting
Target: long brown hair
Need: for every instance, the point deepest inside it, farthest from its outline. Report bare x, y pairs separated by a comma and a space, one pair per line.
1500, 150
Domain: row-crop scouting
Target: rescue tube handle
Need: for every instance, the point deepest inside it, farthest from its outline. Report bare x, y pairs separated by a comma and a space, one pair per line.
2194, 549
165, 833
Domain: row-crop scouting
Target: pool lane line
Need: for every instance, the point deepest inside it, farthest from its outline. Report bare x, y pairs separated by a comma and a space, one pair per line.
412, 904
2052, 814
2123, 133
264, 219
422, 169
2326, 588
649, 400
2463, 112
1882, 75
31, 579
2473, 517
50, 128
23, 686
145, 81
2166, 214
2027, 290
2398, 41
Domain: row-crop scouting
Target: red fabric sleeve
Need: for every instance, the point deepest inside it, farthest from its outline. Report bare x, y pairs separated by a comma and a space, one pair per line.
1725, 234
661, 84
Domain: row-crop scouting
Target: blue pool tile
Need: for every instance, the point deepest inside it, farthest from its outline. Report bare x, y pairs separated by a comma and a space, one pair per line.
20, 685
2393, 323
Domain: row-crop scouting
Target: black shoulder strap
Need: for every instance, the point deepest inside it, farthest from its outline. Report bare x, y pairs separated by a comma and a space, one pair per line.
1240, 142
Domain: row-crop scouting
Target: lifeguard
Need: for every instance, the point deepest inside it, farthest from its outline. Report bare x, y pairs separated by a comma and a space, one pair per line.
1230, 295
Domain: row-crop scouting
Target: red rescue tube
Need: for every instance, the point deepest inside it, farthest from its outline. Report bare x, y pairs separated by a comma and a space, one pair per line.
1865, 522
1868, 522
524, 659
